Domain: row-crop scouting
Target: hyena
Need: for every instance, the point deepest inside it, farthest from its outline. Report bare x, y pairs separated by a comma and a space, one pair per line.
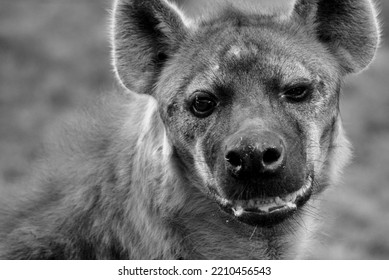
226, 131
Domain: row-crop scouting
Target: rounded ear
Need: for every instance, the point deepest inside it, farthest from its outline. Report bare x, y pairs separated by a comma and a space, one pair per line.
349, 28
145, 34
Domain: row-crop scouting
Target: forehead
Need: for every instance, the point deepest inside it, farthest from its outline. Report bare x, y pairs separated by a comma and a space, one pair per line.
263, 53
264, 49
267, 62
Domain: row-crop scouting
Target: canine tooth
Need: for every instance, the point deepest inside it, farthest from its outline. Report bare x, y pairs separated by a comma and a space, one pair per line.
238, 211
291, 205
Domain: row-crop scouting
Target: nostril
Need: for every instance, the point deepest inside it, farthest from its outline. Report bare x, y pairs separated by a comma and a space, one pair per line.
271, 156
234, 159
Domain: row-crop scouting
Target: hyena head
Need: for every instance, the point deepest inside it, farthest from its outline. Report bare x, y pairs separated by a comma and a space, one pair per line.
249, 97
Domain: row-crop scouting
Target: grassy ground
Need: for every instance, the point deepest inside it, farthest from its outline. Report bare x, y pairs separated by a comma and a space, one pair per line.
54, 57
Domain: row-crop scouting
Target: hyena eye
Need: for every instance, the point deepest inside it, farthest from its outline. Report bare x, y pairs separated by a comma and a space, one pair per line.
298, 93
203, 104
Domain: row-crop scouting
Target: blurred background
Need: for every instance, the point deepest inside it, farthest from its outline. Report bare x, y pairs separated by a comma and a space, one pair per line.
54, 57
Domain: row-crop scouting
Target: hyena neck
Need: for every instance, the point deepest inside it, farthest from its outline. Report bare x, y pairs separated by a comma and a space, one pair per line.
173, 213
209, 234
143, 231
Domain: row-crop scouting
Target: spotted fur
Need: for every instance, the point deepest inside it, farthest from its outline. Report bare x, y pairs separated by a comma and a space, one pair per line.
140, 177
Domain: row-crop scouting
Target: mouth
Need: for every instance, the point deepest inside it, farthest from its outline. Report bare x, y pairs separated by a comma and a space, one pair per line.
268, 211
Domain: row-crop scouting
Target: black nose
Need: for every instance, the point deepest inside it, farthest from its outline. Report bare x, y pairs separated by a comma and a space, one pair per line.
253, 155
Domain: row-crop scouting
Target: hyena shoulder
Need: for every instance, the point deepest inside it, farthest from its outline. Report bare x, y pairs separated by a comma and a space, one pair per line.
74, 212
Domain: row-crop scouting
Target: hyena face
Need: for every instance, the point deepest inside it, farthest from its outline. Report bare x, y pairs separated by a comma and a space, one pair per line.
252, 116
250, 101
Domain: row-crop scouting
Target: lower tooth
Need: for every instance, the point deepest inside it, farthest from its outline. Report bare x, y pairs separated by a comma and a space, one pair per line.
238, 211
279, 201
291, 205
